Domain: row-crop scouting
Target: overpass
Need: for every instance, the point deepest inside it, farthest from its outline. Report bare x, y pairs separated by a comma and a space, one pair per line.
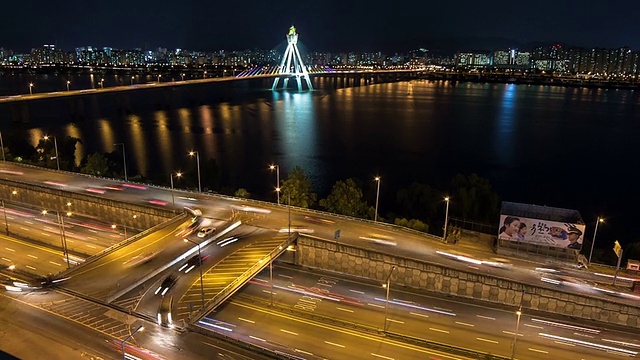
365, 249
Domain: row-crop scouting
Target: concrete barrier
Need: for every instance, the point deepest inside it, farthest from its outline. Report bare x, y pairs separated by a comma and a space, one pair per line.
414, 273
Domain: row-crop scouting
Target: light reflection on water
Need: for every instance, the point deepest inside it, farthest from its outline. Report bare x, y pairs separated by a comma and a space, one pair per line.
535, 143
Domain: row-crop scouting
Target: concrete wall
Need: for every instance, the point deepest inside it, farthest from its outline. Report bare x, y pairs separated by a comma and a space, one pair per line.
328, 255
106, 210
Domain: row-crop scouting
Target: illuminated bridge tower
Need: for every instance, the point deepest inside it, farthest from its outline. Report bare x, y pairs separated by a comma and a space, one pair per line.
292, 64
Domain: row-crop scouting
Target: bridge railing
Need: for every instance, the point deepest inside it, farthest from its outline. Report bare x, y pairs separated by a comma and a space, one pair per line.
244, 277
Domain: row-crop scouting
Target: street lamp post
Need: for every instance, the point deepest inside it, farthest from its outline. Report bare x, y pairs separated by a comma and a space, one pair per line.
182, 76
55, 145
446, 220
124, 355
132, 78
205, 74
277, 169
377, 179
200, 266
515, 337
30, 88
2, 145
124, 160
124, 227
62, 234
6, 223
68, 83
173, 199
102, 83
159, 76
197, 154
593, 242
386, 303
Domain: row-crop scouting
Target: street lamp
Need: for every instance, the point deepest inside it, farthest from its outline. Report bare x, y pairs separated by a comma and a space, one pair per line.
132, 78
159, 76
30, 88
6, 223
182, 76
277, 168
140, 328
68, 83
515, 337
377, 179
205, 74
173, 199
386, 304
62, 234
200, 266
102, 83
124, 226
446, 219
124, 160
2, 145
191, 153
55, 144
593, 242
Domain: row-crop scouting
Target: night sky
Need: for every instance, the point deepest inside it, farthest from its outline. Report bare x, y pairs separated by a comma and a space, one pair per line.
323, 25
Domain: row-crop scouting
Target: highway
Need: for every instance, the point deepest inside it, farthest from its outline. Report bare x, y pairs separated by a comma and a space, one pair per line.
364, 234
67, 330
313, 295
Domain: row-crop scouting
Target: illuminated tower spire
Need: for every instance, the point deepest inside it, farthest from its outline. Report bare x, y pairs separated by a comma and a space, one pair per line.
292, 64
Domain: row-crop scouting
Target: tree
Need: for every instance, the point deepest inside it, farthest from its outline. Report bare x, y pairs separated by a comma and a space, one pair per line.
346, 199
242, 193
419, 201
96, 164
46, 152
472, 198
297, 187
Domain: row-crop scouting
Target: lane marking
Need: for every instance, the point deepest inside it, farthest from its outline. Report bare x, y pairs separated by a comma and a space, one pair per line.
247, 320
334, 344
10, 249
304, 352
465, 324
416, 314
5, 259
534, 326
347, 310
486, 317
564, 343
285, 276
24, 228
439, 330
511, 333
487, 340
376, 305
257, 338
357, 292
31, 267
382, 357
396, 321
32, 256
288, 332
539, 351
55, 263
91, 246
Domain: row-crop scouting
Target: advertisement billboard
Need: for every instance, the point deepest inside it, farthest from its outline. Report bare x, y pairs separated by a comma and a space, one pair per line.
541, 232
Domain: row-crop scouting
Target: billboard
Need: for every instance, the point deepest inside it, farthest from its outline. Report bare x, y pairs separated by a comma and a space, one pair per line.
541, 232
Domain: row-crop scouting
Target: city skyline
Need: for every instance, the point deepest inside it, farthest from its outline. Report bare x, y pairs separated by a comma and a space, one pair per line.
330, 27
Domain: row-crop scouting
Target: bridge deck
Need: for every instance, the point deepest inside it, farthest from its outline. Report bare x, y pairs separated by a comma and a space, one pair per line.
226, 277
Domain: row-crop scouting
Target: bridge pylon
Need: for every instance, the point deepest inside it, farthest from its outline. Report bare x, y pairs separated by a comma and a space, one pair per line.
292, 65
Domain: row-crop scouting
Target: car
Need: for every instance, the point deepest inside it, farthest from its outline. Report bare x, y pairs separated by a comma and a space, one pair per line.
164, 317
206, 231
192, 263
167, 284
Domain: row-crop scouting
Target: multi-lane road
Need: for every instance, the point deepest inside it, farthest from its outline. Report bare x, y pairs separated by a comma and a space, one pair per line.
130, 275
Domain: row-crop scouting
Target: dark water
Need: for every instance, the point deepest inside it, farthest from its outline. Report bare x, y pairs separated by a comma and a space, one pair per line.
562, 147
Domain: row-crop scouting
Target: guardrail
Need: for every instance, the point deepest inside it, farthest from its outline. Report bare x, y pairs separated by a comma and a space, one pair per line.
248, 274
95, 257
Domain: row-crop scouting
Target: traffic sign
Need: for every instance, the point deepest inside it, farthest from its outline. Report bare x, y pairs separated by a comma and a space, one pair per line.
617, 248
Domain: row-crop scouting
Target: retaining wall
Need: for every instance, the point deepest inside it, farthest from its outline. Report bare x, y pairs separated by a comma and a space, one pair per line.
412, 273
110, 211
